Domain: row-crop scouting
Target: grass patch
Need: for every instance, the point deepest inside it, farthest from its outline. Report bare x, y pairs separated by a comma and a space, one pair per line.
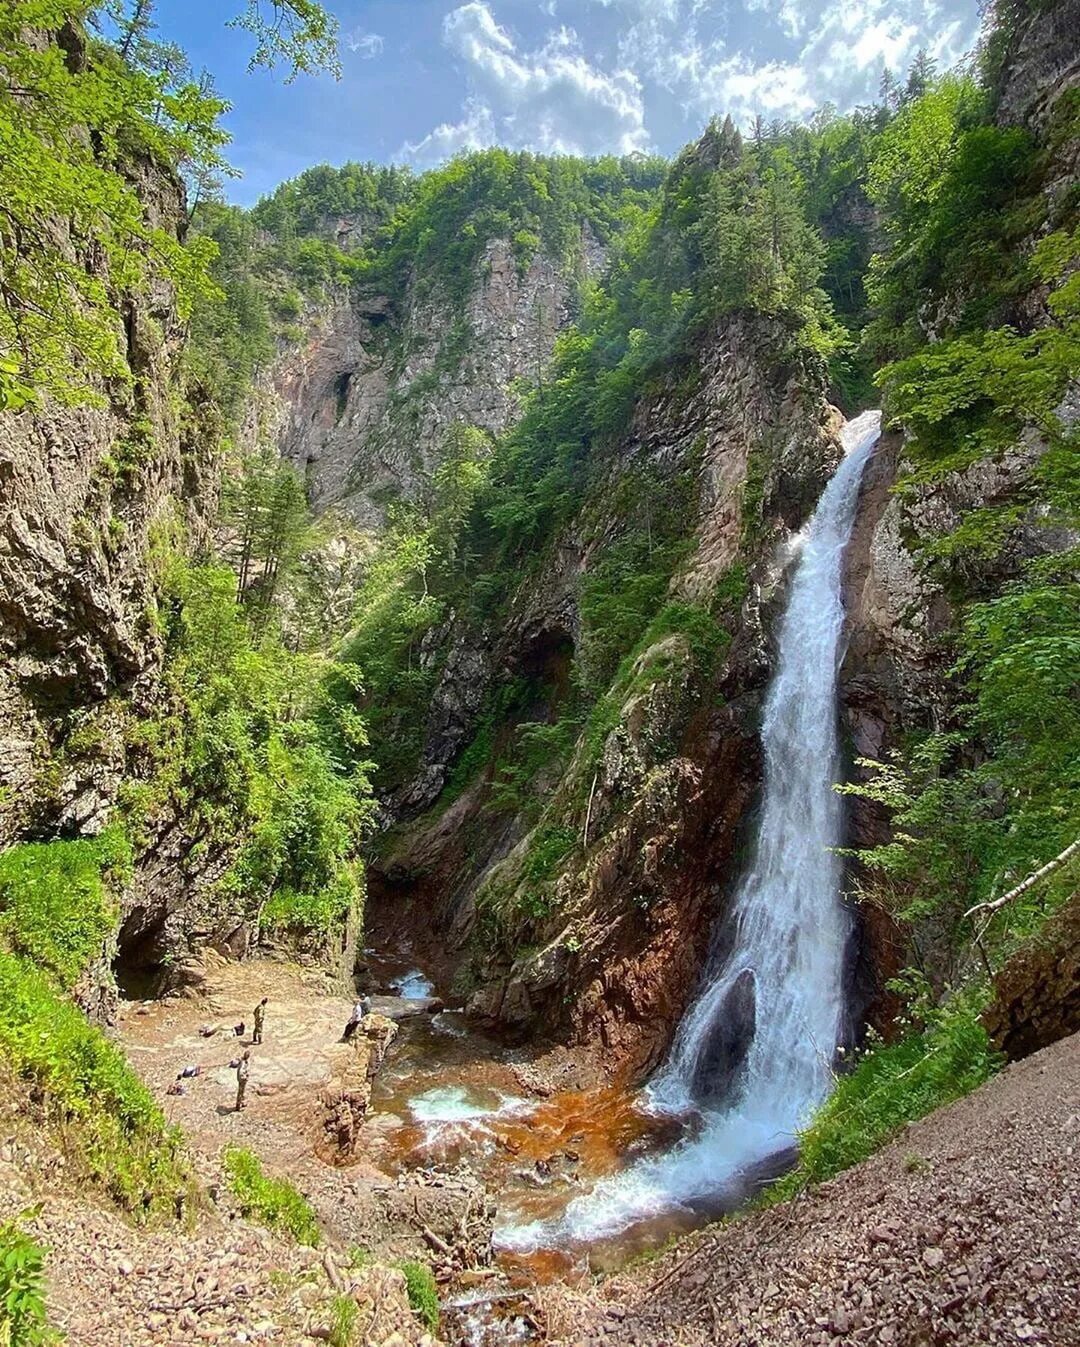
422, 1291
273, 1202
89, 1092
344, 1322
891, 1085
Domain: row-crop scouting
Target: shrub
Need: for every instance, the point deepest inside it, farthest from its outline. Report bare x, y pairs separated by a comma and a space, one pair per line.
274, 1202
87, 1086
318, 913
422, 1291
55, 904
22, 1289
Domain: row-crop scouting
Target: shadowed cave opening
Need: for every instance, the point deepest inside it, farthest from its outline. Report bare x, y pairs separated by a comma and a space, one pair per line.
142, 965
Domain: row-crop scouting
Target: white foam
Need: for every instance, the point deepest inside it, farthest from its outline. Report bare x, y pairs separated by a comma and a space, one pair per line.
413, 986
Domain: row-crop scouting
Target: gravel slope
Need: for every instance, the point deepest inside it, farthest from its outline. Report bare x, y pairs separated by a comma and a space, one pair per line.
966, 1229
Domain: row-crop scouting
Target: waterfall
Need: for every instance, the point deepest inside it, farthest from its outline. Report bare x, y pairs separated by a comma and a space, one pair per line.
753, 1055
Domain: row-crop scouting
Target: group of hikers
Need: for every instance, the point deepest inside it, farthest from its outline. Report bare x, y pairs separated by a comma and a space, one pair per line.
360, 1009
243, 1064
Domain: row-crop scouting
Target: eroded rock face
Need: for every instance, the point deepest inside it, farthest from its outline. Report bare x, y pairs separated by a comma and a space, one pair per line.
363, 408
83, 492
80, 491
1037, 994
895, 678
347, 1097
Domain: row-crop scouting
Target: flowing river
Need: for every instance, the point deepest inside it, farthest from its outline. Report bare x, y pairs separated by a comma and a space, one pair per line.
754, 1054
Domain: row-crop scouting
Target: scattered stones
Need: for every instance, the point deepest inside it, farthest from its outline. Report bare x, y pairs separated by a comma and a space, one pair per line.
979, 1246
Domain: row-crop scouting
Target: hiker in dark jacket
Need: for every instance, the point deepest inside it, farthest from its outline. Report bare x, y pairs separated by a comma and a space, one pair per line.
359, 1010
259, 1014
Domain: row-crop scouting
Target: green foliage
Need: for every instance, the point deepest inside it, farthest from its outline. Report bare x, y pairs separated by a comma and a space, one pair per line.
626, 583
262, 746
322, 912
58, 903
958, 199
70, 125
108, 1118
79, 120
297, 33
265, 506
549, 846
394, 610
344, 1322
457, 209
889, 1086
423, 1293
273, 1202
982, 804
23, 1321
231, 337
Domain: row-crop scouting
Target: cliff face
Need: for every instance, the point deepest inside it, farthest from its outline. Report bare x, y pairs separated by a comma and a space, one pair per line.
363, 406
904, 602
83, 492
90, 496
603, 945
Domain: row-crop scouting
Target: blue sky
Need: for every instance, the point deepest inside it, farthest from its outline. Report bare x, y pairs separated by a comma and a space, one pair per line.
423, 79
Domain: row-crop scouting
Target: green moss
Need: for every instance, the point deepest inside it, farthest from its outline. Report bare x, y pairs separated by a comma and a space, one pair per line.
274, 1202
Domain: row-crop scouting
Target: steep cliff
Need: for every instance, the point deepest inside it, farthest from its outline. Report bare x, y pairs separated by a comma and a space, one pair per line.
94, 497
962, 525
84, 490
367, 400
581, 895
589, 759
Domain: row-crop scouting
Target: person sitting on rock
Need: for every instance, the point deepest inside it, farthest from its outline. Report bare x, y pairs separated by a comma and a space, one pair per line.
359, 1010
259, 1015
243, 1070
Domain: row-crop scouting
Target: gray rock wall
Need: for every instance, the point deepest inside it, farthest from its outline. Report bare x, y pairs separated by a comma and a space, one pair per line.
364, 406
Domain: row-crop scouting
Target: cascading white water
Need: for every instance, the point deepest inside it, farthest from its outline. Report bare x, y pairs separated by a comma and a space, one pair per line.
781, 982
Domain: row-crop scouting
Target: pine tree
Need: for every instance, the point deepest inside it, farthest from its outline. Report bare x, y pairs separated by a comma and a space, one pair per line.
921, 74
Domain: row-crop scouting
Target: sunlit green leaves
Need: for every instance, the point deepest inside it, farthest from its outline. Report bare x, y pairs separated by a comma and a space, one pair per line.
299, 34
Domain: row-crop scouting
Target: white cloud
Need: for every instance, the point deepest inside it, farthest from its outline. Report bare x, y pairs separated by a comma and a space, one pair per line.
365, 45
684, 60
813, 51
552, 98
475, 131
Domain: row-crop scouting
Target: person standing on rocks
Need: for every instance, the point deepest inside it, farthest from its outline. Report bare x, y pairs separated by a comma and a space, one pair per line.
259, 1014
243, 1070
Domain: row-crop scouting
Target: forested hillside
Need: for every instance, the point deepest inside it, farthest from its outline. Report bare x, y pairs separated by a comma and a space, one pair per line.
404, 556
